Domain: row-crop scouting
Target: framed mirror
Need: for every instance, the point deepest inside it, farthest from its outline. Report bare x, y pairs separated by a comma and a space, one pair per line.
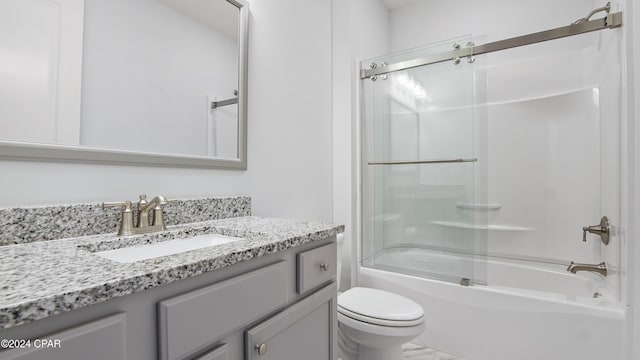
153, 82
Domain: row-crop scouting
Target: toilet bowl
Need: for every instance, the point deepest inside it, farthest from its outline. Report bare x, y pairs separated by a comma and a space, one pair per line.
373, 324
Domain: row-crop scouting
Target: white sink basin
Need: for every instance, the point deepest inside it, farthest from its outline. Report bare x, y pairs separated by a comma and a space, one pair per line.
164, 248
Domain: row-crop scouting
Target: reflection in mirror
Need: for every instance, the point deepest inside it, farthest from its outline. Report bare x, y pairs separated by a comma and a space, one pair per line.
139, 76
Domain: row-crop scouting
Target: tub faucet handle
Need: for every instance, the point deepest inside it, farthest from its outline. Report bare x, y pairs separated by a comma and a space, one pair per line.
603, 230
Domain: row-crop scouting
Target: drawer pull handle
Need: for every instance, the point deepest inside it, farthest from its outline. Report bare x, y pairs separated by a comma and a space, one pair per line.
261, 348
324, 266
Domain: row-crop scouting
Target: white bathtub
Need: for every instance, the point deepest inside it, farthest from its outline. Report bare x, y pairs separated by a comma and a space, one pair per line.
527, 312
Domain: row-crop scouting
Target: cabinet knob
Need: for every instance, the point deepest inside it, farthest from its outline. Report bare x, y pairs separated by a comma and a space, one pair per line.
324, 266
261, 348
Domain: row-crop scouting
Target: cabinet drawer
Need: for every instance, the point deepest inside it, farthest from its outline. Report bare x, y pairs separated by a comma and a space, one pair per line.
103, 339
193, 321
316, 267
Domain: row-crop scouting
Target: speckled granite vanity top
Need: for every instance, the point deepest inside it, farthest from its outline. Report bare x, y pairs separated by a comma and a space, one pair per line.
43, 278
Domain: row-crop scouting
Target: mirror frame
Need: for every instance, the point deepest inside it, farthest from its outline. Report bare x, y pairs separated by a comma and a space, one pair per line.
15, 150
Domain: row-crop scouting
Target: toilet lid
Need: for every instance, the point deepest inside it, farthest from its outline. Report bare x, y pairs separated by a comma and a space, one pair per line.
379, 307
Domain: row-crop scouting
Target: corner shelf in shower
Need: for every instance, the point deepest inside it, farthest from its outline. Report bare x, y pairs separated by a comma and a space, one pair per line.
463, 225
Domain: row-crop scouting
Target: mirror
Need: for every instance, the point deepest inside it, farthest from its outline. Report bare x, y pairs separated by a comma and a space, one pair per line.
156, 82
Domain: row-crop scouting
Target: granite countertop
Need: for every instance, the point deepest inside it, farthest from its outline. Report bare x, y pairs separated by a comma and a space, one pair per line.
44, 278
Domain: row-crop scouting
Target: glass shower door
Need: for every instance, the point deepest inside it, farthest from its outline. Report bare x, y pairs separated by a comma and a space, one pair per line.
421, 178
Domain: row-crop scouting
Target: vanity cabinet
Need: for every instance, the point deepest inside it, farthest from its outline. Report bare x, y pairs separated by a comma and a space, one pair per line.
103, 339
285, 301
258, 310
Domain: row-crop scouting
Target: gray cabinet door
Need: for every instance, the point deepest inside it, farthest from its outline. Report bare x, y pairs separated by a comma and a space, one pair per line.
219, 353
191, 322
103, 339
305, 330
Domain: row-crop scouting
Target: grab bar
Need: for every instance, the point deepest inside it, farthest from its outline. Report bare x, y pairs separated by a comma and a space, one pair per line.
409, 162
215, 104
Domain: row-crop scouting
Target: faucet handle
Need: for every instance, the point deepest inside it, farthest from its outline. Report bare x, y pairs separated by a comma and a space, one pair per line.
125, 205
126, 223
158, 212
603, 230
143, 199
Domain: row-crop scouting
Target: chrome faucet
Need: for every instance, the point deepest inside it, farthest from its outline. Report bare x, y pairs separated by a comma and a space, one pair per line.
145, 207
597, 268
145, 223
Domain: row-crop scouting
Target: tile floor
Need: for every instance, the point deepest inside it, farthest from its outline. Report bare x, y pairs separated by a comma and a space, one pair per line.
417, 352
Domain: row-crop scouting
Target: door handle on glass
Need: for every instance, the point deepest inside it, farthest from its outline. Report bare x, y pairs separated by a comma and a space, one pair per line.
603, 230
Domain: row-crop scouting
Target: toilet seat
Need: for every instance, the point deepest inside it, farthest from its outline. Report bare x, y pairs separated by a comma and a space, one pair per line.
379, 307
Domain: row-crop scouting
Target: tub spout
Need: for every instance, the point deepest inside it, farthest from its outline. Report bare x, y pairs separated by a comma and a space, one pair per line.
598, 268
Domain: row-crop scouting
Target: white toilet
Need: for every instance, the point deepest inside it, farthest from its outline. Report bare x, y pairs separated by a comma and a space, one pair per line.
373, 324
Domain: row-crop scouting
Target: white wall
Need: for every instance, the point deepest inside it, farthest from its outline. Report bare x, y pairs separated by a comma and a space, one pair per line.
289, 139
494, 18
360, 30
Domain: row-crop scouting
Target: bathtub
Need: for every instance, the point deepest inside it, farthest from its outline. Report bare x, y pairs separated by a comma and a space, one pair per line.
528, 311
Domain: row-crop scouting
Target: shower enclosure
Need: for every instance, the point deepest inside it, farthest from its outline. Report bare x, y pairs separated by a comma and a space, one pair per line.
422, 149
480, 170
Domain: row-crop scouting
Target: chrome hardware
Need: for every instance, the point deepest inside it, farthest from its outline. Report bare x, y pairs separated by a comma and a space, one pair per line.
603, 230
471, 58
261, 348
145, 207
145, 223
375, 66
142, 202
324, 266
611, 21
217, 104
606, 8
126, 222
456, 60
597, 268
